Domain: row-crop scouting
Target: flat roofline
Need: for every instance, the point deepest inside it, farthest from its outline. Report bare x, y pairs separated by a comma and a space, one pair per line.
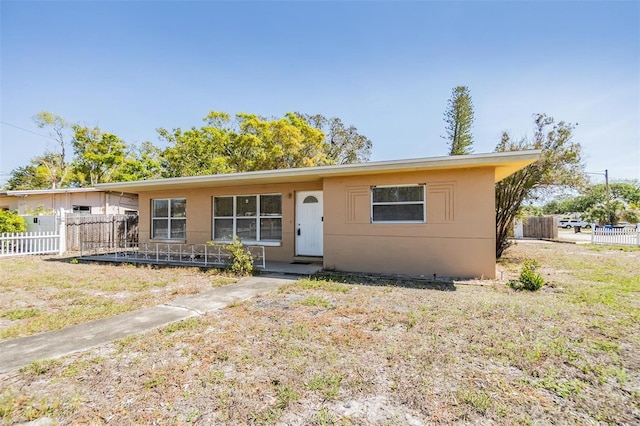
27, 192
504, 164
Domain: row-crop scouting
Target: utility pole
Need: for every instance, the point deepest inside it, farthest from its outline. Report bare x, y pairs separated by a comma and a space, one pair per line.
610, 217
606, 182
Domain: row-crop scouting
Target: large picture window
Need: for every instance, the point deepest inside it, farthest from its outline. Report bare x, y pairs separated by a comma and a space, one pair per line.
169, 219
253, 218
398, 204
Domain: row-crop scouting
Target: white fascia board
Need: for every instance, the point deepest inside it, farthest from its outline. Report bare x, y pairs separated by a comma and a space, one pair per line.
319, 172
49, 191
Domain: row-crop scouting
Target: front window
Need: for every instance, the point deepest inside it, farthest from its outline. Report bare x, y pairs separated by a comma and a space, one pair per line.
82, 209
250, 217
398, 204
169, 219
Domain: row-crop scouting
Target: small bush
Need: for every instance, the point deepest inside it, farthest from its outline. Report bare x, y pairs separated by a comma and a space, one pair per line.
10, 222
241, 257
529, 279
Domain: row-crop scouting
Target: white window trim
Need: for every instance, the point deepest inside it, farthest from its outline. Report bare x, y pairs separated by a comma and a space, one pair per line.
234, 218
251, 242
423, 202
168, 218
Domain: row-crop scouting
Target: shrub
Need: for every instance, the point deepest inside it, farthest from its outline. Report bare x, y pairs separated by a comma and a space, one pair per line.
529, 278
241, 257
11, 222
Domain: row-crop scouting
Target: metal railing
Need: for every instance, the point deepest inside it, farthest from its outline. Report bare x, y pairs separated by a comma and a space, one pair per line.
26, 243
167, 253
616, 236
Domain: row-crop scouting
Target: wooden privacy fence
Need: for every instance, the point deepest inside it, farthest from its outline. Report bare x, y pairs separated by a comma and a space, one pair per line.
107, 229
71, 231
544, 227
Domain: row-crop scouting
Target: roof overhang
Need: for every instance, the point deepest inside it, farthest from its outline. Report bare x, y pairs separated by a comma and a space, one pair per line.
503, 163
28, 192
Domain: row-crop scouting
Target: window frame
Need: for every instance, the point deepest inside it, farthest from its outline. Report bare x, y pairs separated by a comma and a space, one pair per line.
397, 203
234, 218
80, 209
169, 219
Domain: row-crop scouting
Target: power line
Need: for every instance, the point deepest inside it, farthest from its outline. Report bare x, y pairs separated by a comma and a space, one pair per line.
27, 130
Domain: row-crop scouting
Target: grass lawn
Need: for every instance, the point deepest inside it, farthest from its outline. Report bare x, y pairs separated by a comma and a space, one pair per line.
41, 293
326, 352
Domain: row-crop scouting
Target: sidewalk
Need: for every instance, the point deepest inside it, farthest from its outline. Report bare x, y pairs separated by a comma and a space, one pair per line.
17, 353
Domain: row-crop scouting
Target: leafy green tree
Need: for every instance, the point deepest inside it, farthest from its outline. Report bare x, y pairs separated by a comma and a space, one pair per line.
56, 160
288, 142
567, 205
198, 151
98, 155
560, 164
343, 145
140, 163
28, 177
41, 173
248, 143
624, 202
10, 222
613, 212
459, 119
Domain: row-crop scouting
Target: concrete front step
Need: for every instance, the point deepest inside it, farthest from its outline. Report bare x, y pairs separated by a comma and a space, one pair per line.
307, 259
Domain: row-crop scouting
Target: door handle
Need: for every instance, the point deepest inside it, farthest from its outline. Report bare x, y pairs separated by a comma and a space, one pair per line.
298, 231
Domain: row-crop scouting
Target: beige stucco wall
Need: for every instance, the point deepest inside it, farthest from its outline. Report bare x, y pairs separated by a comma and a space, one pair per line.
457, 240
8, 203
200, 207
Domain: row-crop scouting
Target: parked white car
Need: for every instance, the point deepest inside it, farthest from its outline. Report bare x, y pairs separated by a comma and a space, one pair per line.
572, 223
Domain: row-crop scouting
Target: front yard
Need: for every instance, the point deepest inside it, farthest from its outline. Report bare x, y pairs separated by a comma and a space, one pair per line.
330, 352
39, 293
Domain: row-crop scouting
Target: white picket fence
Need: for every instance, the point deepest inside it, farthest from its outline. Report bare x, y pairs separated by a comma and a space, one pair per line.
25, 243
37, 242
630, 237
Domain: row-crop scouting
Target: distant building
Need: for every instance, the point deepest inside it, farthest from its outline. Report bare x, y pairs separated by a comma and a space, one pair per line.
72, 200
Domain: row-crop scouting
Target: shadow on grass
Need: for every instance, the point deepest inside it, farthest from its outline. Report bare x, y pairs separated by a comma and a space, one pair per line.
375, 280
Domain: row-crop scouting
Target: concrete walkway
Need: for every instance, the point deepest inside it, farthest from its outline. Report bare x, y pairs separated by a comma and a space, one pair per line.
17, 353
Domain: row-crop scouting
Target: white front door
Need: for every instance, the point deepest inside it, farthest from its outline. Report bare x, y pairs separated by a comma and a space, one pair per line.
309, 217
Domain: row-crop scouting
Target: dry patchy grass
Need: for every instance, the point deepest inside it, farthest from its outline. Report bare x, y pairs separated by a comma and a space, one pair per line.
40, 293
325, 352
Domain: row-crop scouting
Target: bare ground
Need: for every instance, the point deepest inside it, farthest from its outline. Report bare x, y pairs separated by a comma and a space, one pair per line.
327, 352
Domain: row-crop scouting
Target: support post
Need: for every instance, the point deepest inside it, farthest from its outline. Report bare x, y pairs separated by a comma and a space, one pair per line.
62, 232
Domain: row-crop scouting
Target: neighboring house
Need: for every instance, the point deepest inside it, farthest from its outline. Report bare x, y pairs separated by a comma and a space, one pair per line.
72, 200
417, 217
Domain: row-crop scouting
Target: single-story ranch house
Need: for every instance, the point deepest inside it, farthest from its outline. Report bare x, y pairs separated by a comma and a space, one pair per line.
414, 217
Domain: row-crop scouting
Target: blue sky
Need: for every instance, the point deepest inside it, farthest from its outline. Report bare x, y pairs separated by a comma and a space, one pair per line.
386, 67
